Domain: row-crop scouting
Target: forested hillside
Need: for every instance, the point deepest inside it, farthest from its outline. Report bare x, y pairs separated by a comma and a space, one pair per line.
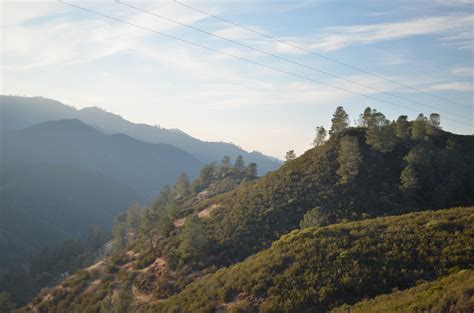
21, 112
379, 168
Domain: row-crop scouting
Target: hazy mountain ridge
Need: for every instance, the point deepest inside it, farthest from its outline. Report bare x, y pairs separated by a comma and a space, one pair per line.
143, 166
65, 177
20, 112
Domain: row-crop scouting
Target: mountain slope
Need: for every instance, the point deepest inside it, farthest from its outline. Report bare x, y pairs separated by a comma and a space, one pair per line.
308, 270
316, 269
453, 293
20, 112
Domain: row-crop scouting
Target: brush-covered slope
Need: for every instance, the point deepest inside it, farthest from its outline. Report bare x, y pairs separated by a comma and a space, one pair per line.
20, 112
251, 217
316, 269
453, 293
309, 270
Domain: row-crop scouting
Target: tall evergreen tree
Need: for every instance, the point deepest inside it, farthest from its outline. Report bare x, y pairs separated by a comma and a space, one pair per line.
349, 159
402, 127
193, 241
340, 121
320, 137
418, 128
435, 120
290, 155
381, 133
251, 170
225, 166
364, 118
134, 216
182, 187
239, 164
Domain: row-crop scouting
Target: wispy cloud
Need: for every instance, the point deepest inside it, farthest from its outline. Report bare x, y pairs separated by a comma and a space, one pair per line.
75, 36
453, 86
467, 71
452, 29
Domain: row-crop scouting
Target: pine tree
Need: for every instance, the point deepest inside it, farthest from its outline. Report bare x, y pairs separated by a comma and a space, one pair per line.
364, 118
251, 171
239, 164
225, 166
402, 127
349, 159
320, 137
182, 187
193, 241
340, 121
381, 133
134, 216
435, 120
290, 155
418, 128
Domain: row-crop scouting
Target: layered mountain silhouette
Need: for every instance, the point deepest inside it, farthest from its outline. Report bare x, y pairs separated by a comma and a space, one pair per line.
65, 177
20, 112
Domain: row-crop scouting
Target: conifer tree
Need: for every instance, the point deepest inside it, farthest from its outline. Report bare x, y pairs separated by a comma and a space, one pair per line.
182, 187
435, 120
239, 164
402, 127
418, 128
349, 159
290, 155
340, 121
251, 171
320, 137
364, 118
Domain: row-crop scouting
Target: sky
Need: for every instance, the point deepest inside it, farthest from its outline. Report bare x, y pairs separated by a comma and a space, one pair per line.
56, 51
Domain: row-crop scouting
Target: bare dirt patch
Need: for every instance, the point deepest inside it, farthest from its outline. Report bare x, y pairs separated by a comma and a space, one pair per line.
207, 211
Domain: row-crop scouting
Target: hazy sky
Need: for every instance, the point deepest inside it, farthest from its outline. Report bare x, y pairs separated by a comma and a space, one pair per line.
52, 50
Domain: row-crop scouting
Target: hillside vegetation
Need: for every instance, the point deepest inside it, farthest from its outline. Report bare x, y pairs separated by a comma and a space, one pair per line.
453, 293
226, 215
317, 269
314, 269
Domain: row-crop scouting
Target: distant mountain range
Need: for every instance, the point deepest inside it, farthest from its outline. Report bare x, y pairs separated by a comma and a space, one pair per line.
21, 112
65, 170
66, 177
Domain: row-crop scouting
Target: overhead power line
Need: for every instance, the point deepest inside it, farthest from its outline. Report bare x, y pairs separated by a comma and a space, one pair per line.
288, 60
289, 44
244, 59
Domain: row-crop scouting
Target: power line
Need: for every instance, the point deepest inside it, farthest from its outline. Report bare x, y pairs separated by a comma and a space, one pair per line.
244, 59
322, 55
288, 60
